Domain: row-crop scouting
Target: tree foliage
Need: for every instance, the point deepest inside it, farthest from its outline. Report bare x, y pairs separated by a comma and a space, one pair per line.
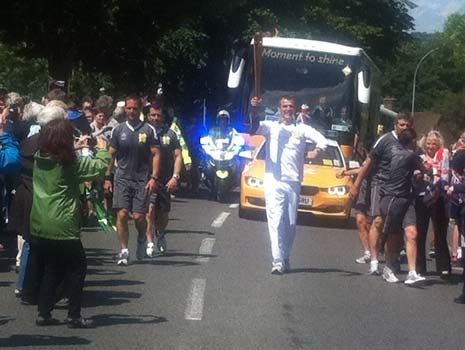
23, 75
185, 44
439, 83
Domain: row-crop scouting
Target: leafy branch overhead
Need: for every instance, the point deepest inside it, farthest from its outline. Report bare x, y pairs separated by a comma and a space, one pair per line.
185, 44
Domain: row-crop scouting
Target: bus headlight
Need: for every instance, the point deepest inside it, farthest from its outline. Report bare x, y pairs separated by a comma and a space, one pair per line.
254, 182
337, 190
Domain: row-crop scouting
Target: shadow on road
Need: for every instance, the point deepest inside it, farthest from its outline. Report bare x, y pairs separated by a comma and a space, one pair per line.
165, 263
116, 319
104, 272
195, 255
5, 320
112, 283
41, 340
186, 232
316, 270
94, 298
5, 283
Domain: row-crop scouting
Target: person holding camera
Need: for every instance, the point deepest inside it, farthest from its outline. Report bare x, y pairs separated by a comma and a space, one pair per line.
55, 216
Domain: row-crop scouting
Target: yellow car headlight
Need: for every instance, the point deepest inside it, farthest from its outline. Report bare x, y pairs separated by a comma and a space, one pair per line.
338, 190
254, 182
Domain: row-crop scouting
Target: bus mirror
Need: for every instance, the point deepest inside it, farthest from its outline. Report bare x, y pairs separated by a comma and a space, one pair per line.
387, 112
364, 87
235, 72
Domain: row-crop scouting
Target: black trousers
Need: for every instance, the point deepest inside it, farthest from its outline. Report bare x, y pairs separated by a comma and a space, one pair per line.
438, 215
461, 226
63, 260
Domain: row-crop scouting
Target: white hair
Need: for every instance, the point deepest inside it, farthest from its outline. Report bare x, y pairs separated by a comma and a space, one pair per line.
32, 110
49, 113
14, 99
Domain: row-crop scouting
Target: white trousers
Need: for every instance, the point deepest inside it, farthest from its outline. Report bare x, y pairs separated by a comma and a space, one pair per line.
282, 200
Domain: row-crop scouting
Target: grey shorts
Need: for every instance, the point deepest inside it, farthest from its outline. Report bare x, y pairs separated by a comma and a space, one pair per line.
161, 198
130, 195
375, 199
362, 203
398, 213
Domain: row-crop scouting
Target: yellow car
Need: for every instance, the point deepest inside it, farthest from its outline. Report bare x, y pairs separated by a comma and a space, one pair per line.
322, 194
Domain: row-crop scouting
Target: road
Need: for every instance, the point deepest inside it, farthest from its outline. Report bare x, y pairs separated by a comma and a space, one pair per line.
213, 290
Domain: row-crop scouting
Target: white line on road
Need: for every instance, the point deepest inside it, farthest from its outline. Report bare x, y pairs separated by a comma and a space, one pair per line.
218, 222
194, 309
234, 205
206, 248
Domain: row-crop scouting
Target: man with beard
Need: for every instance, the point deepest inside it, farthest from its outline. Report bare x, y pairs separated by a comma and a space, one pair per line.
397, 207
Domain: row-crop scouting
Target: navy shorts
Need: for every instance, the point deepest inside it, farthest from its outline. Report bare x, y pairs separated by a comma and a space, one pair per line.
130, 194
398, 213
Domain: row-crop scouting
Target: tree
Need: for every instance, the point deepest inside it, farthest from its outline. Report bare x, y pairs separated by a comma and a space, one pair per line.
186, 45
26, 76
439, 77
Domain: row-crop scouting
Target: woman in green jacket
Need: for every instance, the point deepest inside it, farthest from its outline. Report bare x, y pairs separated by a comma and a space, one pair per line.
55, 216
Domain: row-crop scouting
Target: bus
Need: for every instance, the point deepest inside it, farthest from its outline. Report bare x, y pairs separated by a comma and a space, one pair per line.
337, 83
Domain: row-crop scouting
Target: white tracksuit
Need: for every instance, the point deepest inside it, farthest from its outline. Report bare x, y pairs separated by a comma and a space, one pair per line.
285, 154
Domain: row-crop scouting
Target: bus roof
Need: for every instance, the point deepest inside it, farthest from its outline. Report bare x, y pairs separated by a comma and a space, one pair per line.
311, 45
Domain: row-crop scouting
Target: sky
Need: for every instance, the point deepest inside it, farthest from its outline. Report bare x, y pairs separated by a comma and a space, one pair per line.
430, 14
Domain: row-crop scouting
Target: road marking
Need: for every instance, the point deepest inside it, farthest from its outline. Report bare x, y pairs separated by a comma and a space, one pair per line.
206, 248
194, 309
218, 222
234, 206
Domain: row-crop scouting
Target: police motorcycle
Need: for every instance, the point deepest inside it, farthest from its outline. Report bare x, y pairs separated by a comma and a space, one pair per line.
221, 148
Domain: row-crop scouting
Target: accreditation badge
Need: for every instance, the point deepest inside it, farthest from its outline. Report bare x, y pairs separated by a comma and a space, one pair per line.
142, 137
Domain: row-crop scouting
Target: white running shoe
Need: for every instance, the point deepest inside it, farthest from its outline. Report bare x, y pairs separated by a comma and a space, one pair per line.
413, 277
373, 268
277, 269
123, 258
365, 259
150, 249
389, 276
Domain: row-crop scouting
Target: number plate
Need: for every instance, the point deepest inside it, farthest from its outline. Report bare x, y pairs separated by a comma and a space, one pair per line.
305, 200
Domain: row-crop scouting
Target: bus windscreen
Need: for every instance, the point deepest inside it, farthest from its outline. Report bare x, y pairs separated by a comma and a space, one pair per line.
322, 81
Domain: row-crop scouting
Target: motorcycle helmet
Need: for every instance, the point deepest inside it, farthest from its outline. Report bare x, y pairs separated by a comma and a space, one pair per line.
223, 118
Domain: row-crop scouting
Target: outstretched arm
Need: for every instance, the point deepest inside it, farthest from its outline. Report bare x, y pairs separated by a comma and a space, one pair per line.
363, 171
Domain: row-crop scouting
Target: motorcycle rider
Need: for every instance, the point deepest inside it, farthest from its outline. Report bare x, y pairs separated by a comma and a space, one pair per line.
222, 137
223, 129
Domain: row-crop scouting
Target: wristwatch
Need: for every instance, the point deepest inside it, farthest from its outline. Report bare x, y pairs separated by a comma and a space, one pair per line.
154, 177
176, 176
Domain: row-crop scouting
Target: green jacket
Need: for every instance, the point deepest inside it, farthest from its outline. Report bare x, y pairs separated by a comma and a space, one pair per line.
55, 208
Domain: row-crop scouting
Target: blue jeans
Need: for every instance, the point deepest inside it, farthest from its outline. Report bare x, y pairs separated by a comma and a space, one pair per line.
22, 268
